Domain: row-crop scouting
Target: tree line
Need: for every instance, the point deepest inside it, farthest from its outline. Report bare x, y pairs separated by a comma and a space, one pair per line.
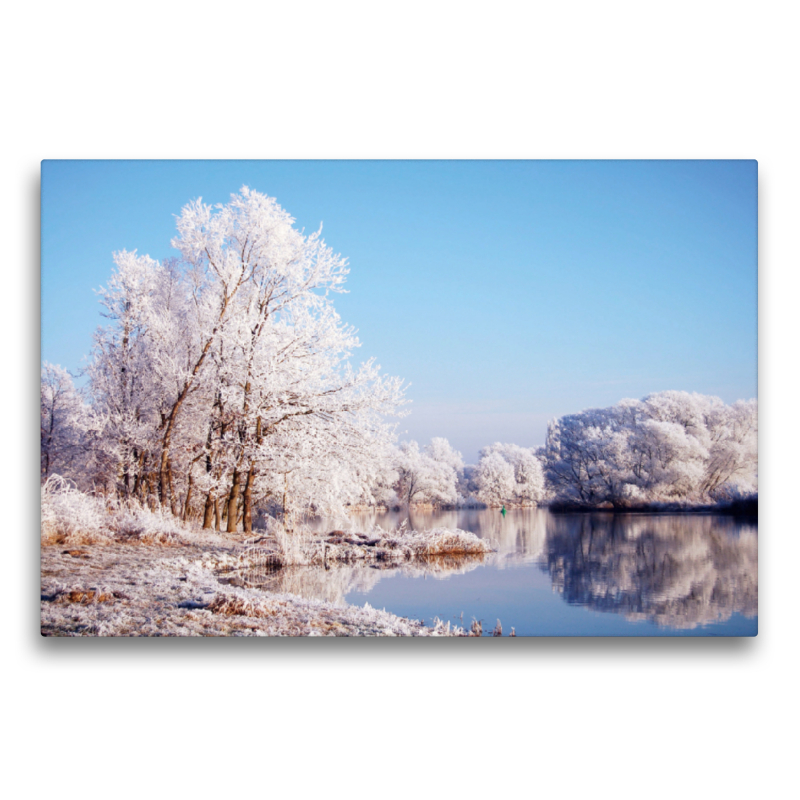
221, 384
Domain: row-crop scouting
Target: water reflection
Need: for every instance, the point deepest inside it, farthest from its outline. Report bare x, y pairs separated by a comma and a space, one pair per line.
676, 571
339, 580
518, 537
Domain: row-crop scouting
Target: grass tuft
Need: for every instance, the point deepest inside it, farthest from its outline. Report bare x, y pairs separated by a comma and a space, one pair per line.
71, 517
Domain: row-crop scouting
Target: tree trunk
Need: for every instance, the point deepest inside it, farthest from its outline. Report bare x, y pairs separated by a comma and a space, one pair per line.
49, 443
233, 503
137, 481
173, 506
188, 499
248, 500
148, 490
285, 500
208, 511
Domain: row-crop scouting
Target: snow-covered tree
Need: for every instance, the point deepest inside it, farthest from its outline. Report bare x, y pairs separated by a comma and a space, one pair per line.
495, 479
668, 447
527, 487
508, 474
222, 380
64, 424
425, 479
442, 451
225, 371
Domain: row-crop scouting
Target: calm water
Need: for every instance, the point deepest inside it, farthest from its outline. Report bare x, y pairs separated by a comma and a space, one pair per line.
567, 575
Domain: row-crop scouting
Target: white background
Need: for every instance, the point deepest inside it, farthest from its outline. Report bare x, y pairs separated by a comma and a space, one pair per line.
612, 718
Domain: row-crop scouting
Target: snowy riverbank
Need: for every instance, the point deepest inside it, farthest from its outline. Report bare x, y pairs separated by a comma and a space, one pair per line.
116, 588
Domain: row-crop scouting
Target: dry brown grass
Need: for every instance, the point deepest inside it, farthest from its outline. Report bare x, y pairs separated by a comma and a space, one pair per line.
236, 606
56, 535
71, 517
450, 543
86, 596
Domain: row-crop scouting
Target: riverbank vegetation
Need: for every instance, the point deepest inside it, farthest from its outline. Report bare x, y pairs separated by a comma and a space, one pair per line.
113, 568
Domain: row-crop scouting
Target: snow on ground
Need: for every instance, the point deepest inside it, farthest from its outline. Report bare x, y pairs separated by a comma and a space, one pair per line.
147, 589
114, 569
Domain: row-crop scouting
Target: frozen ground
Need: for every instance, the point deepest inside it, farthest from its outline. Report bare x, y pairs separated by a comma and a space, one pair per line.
174, 589
110, 569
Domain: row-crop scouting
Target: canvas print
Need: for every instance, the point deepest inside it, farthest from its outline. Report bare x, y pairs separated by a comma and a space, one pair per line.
399, 398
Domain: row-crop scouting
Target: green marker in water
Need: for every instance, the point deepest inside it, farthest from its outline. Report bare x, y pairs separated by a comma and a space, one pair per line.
503, 512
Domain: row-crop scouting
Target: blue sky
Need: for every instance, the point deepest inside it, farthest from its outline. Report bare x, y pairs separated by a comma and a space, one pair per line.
505, 292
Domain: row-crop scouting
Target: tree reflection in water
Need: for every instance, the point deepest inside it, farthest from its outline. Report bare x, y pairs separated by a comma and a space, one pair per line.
677, 571
518, 537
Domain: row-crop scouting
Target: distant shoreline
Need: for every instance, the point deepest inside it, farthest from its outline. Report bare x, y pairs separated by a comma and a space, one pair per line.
741, 508
738, 508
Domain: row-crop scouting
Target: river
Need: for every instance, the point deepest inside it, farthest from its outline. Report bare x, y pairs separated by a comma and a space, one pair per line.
597, 574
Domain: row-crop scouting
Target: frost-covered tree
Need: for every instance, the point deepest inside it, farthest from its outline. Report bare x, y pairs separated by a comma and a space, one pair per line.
225, 373
507, 474
128, 369
732, 464
452, 463
424, 478
64, 424
442, 451
668, 447
524, 487
495, 479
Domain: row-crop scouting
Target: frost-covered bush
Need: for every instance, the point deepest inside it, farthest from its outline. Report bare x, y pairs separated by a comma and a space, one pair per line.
134, 522
398, 546
70, 516
293, 545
